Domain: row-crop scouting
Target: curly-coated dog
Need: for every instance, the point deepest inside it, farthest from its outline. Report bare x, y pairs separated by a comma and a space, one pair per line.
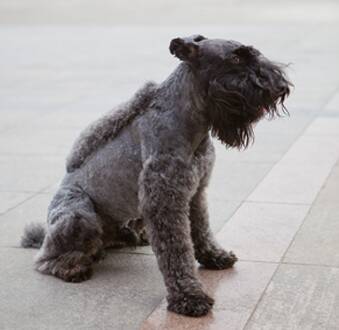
148, 163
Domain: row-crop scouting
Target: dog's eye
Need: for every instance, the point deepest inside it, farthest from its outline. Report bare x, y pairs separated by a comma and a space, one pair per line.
234, 59
198, 38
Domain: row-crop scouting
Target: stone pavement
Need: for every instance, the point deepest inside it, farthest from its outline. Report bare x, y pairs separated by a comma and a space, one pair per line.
64, 63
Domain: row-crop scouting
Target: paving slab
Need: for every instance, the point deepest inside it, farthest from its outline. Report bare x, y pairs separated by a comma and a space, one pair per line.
13, 118
28, 173
12, 223
333, 104
300, 174
122, 285
220, 211
70, 118
9, 200
119, 13
325, 126
234, 181
262, 231
40, 99
267, 148
317, 240
299, 297
236, 292
38, 141
316, 146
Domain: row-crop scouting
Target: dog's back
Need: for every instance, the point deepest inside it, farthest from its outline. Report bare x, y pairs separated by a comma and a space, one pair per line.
108, 127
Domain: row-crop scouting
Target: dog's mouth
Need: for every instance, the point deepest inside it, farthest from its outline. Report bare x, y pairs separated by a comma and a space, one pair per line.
262, 111
273, 87
271, 100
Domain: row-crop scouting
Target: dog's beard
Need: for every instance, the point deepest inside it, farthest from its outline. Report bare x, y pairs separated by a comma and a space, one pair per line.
232, 111
228, 122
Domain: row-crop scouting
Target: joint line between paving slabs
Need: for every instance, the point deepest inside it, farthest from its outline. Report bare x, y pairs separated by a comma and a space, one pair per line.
25, 200
288, 247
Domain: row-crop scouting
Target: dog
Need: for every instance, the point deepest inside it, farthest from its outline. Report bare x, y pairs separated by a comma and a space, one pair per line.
147, 164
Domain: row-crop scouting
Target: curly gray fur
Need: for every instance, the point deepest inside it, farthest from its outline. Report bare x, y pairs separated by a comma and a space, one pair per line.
151, 160
108, 127
33, 236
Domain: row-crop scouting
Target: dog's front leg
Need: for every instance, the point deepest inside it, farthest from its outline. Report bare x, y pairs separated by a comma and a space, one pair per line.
165, 191
207, 250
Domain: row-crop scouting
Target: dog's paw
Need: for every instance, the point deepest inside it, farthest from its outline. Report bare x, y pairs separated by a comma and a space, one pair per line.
76, 274
190, 304
81, 276
143, 238
99, 255
218, 259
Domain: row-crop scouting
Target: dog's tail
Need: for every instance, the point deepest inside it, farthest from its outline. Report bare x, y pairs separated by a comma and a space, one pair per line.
33, 236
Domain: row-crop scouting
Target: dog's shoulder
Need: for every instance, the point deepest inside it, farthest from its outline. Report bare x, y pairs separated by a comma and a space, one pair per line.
205, 149
204, 159
108, 127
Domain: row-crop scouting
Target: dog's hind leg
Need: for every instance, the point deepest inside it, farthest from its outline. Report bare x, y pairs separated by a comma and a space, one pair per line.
73, 239
134, 233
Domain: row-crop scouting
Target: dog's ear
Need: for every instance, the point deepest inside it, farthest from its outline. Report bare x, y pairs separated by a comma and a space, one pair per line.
186, 49
247, 52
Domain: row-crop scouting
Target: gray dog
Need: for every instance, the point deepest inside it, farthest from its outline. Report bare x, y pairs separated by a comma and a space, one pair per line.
148, 164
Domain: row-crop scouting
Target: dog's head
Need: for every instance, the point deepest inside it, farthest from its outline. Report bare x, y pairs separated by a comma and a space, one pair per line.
240, 84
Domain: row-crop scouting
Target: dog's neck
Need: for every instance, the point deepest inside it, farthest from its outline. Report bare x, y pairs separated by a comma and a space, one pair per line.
185, 97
